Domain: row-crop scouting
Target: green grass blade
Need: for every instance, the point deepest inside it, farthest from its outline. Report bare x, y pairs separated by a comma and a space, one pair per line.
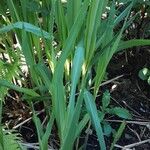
73, 6
45, 74
58, 88
61, 21
13, 10
75, 74
27, 49
39, 126
27, 27
107, 55
104, 57
48, 132
70, 41
70, 131
39, 129
92, 20
1, 135
29, 55
82, 124
59, 103
92, 110
118, 134
122, 16
7, 84
133, 43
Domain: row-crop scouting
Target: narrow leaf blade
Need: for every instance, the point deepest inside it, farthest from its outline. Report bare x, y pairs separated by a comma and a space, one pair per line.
92, 110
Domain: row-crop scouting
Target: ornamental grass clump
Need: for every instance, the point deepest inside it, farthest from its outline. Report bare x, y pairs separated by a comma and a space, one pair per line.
60, 43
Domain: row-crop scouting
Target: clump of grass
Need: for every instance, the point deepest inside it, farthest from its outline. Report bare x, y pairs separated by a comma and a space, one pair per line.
61, 43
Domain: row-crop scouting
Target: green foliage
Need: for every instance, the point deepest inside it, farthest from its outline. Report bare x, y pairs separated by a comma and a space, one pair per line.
43, 136
92, 110
118, 134
120, 112
27, 27
106, 109
7, 84
61, 44
132, 43
144, 74
107, 129
7, 71
105, 99
10, 140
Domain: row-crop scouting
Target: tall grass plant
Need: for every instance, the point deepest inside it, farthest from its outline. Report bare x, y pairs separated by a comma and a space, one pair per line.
61, 43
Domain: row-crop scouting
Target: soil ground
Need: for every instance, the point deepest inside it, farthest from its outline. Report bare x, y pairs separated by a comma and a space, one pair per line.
131, 93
